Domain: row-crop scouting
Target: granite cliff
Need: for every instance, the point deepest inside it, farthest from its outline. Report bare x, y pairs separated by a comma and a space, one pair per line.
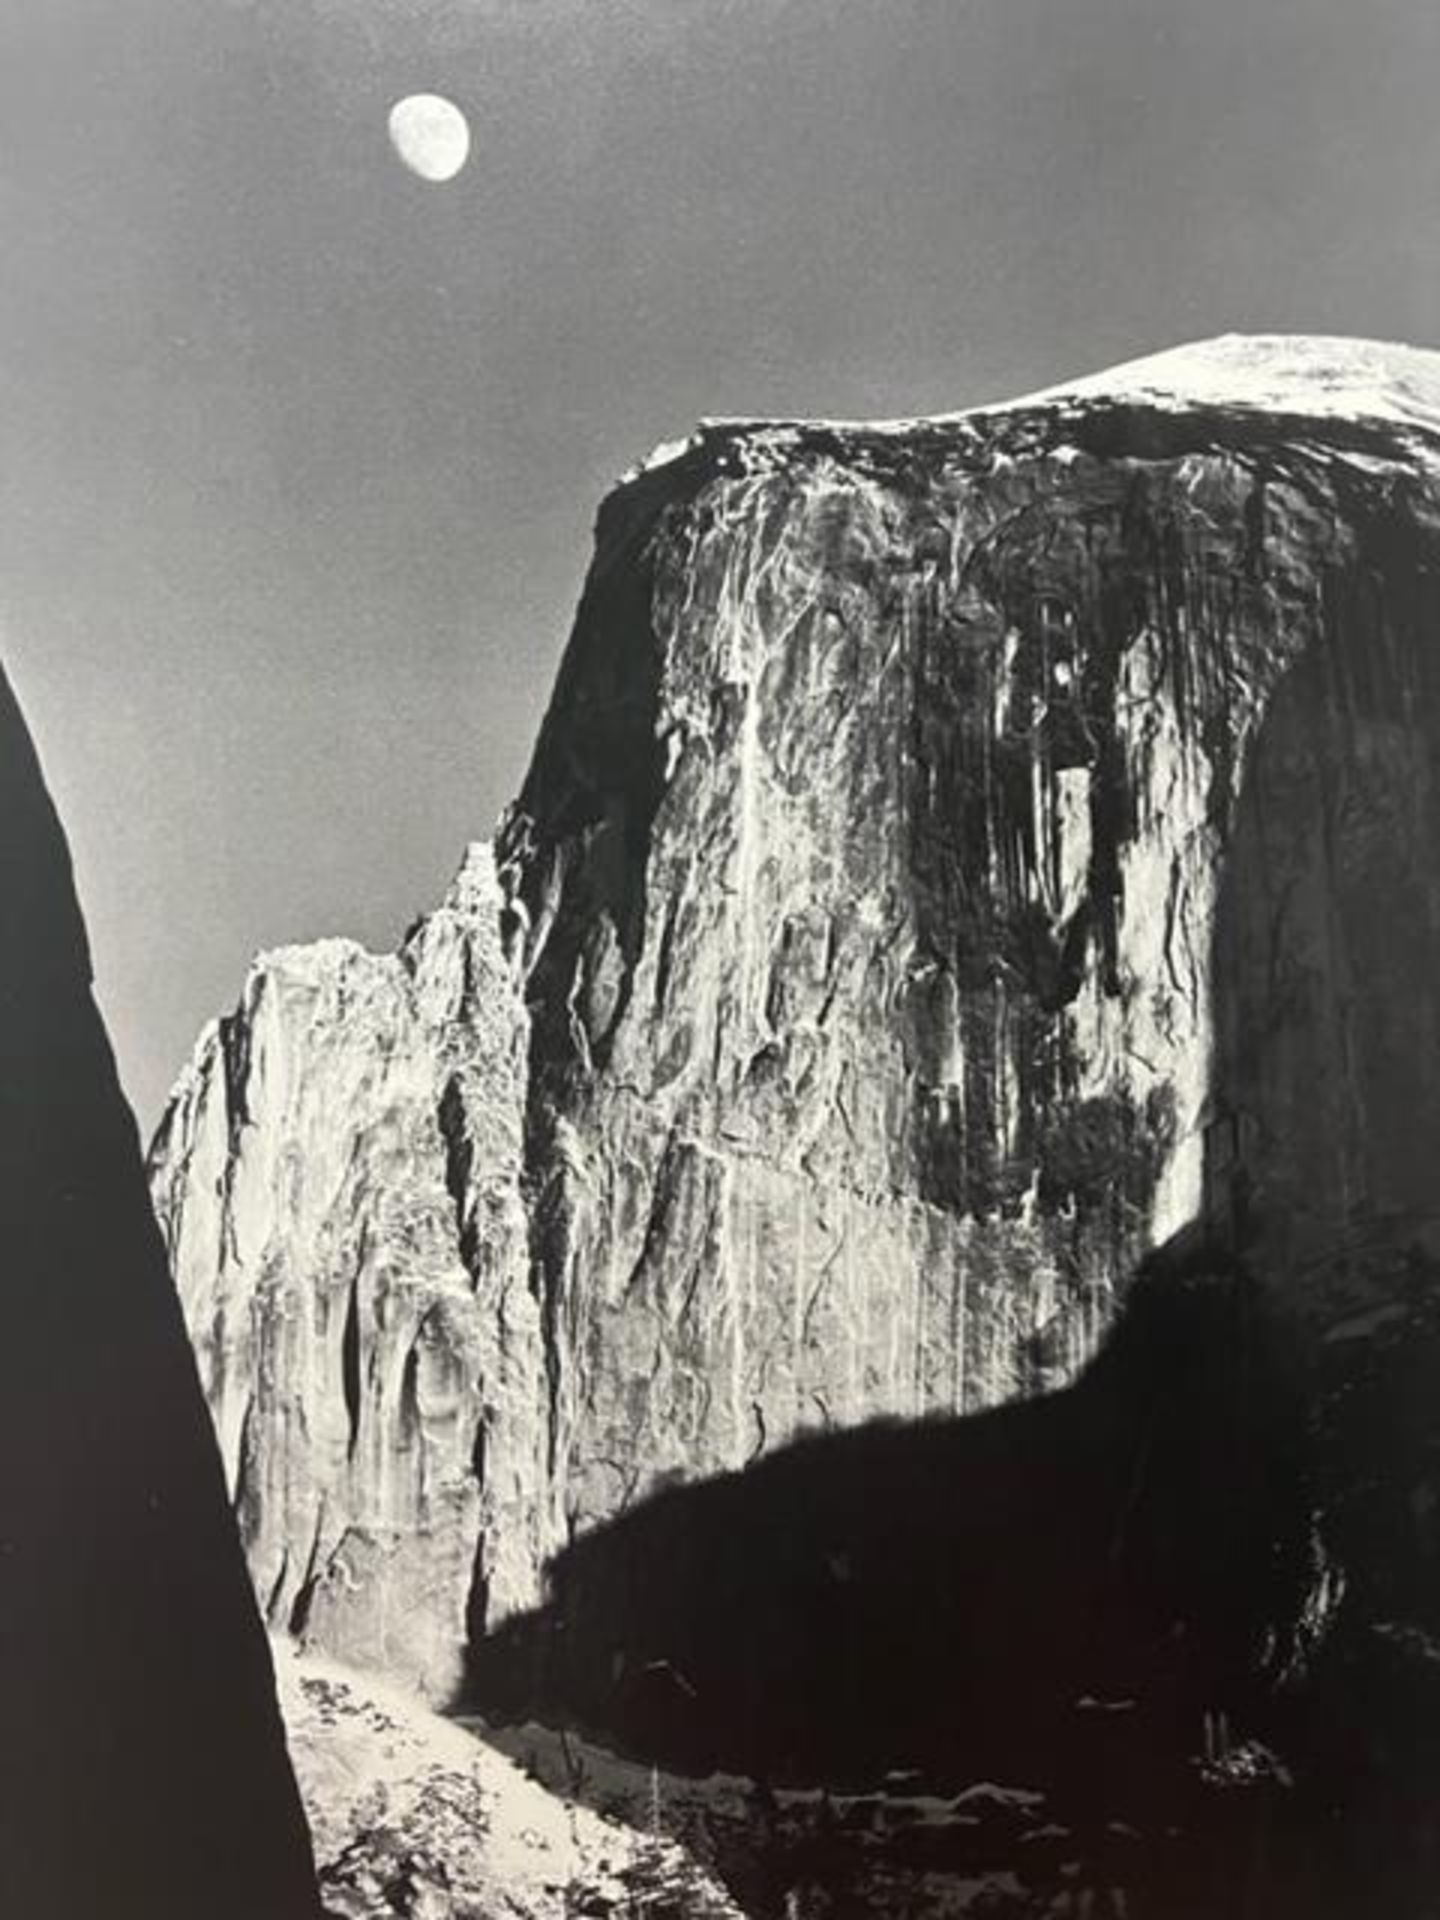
960, 856
339, 1178
143, 1768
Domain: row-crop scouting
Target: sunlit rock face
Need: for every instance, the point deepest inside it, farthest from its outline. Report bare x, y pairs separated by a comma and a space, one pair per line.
959, 856
338, 1178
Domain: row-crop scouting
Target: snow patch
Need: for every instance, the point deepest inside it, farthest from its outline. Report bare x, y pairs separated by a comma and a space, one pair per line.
663, 455
1319, 376
1313, 376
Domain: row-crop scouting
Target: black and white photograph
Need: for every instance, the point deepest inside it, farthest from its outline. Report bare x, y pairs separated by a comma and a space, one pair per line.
719, 960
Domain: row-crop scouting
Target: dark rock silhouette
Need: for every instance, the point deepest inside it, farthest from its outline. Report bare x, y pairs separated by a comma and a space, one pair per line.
143, 1769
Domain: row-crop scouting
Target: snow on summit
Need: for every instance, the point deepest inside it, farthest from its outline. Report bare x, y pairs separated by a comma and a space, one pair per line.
1316, 375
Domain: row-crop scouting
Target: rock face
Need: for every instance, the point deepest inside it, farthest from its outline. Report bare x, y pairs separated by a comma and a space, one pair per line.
143, 1770
339, 1178
959, 857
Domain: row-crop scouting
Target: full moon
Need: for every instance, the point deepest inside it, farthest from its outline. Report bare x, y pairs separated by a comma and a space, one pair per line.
431, 135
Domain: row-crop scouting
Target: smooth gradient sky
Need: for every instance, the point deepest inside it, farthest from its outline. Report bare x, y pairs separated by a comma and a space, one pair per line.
300, 454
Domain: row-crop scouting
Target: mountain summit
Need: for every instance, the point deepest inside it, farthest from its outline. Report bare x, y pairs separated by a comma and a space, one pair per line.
960, 857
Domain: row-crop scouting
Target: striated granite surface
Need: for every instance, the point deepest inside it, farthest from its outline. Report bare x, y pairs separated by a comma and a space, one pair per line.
959, 856
339, 1178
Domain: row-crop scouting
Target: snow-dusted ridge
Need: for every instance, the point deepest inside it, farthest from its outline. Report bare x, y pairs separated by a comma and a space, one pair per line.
1310, 376
1314, 375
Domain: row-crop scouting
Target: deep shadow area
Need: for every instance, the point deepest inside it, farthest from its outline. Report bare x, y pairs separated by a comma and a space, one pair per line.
1082, 1594
143, 1769
1325, 980
928, 1595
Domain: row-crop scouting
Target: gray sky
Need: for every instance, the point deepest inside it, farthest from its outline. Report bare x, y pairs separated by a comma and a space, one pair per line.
300, 454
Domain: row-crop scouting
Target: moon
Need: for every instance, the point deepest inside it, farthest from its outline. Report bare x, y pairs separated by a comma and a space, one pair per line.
431, 135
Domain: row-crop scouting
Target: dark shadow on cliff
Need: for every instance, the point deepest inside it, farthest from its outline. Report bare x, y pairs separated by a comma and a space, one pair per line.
1321, 1164
1056, 1594
143, 1771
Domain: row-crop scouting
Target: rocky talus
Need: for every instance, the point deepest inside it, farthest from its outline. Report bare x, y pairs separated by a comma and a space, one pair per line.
960, 856
415, 1819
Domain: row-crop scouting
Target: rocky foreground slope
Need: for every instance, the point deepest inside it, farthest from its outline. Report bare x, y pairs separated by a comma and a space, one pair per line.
959, 856
415, 1819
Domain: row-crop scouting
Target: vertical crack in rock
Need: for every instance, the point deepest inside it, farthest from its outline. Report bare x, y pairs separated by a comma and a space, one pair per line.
235, 1056
305, 1587
478, 1614
350, 1384
459, 1168
272, 1601
240, 1496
